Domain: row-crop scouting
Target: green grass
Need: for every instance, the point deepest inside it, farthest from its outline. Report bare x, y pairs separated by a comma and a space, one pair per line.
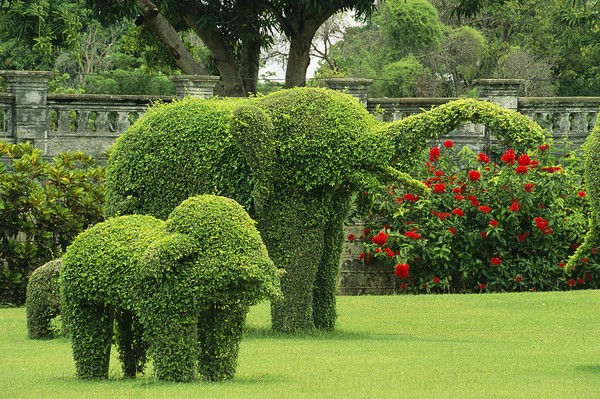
534, 345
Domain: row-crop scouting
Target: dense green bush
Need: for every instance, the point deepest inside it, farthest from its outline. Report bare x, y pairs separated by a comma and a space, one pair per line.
297, 157
180, 287
43, 206
590, 246
501, 226
43, 300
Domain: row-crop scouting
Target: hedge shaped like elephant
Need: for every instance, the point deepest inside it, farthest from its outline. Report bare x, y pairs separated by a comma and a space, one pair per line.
295, 158
180, 287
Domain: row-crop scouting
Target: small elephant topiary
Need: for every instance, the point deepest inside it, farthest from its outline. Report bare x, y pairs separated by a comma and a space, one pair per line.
180, 288
43, 300
295, 158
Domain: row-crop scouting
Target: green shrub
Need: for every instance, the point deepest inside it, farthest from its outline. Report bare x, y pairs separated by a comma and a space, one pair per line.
487, 226
43, 300
43, 206
180, 287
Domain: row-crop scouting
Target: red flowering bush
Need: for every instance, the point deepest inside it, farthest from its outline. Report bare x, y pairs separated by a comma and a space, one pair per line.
487, 226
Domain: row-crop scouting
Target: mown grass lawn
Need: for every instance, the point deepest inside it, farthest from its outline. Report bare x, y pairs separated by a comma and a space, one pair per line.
530, 345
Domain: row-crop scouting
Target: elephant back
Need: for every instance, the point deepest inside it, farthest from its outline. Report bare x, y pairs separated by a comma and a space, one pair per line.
174, 151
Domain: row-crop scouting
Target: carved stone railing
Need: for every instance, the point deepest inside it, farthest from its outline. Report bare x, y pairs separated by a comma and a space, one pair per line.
6, 106
91, 123
571, 116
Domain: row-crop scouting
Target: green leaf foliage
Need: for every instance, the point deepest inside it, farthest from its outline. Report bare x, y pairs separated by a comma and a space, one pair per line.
180, 288
43, 206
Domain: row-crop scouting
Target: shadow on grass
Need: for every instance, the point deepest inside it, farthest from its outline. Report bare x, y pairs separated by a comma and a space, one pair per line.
589, 369
258, 333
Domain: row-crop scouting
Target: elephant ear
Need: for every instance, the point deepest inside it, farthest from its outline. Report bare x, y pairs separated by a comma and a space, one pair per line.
164, 255
253, 132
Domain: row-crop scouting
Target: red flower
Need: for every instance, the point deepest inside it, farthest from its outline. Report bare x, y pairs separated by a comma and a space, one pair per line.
402, 270
458, 212
518, 279
485, 209
496, 261
584, 260
434, 154
389, 253
448, 144
594, 250
483, 234
543, 225
588, 277
534, 163
514, 207
458, 197
413, 235
521, 237
552, 169
581, 193
524, 160
522, 170
436, 280
452, 230
439, 173
543, 147
580, 281
458, 190
439, 188
403, 286
494, 223
481, 157
574, 246
378, 250
562, 264
571, 282
474, 175
482, 286
367, 231
351, 237
380, 238
528, 187
508, 157
410, 197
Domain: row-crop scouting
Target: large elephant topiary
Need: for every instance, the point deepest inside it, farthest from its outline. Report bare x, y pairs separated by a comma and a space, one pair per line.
591, 176
181, 287
295, 158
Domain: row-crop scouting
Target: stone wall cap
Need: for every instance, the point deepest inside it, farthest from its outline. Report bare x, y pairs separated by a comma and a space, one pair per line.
107, 97
206, 78
363, 81
499, 82
15, 73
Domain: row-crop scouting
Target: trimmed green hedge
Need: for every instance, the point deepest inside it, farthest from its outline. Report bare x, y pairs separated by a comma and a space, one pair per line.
180, 287
296, 157
590, 246
43, 300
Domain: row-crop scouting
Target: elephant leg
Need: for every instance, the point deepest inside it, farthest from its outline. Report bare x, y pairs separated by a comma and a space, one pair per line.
172, 339
326, 282
132, 348
91, 328
220, 331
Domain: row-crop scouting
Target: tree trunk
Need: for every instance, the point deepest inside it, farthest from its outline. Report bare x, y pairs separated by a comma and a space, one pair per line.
250, 64
224, 59
300, 32
154, 21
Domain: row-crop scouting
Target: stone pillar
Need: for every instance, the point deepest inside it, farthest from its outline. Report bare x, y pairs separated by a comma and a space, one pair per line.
357, 88
503, 92
30, 117
194, 85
